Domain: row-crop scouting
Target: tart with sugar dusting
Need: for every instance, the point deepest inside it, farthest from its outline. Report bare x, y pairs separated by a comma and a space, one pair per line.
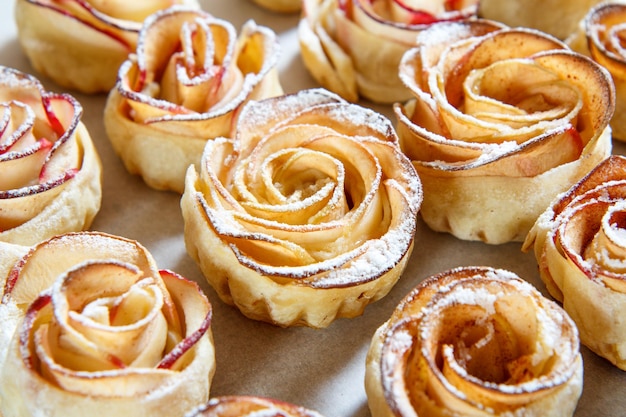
502, 120
249, 406
281, 6
475, 341
556, 17
580, 245
307, 214
353, 47
50, 171
80, 44
91, 326
190, 75
601, 36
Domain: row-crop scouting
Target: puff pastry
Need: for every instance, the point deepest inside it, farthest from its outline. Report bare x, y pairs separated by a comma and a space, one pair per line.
184, 86
502, 121
556, 17
580, 247
96, 329
249, 406
353, 48
80, 44
50, 171
475, 341
306, 215
282, 6
600, 35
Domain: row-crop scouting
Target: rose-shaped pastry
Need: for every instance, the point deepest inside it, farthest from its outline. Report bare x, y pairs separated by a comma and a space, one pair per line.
190, 75
281, 6
80, 44
249, 406
50, 171
556, 17
581, 250
103, 333
475, 341
502, 121
353, 47
307, 214
601, 36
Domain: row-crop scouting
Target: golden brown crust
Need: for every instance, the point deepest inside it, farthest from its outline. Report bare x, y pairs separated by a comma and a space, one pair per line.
474, 341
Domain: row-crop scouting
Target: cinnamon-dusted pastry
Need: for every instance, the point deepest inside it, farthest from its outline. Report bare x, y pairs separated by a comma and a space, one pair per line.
600, 35
354, 47
184, 86
100, 331
475, 341
249, 406
80, 44
281, 6
581, 250
308, 214
556, 17
502, 121
50, 171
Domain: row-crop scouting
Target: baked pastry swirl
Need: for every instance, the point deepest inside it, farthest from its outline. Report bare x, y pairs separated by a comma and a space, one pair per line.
475, 341
353, 48
281, 6
249, 406
581, 250
502, 121
101, 331
600, 35
190, 75
80, 44
50, 171
556, 17
307, 214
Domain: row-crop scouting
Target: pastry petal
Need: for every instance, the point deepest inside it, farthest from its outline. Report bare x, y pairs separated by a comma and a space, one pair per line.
80, 44
474, 341
581, 250
50, 171
190, 75
308, 214
500, 116
102, 329
353, 48
249, 406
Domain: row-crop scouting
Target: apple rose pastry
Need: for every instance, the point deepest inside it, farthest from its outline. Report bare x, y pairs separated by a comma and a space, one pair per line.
502, 121
600, 35
475, 341
307, 214
104, 333
80, 44
184, 86
353, 47
50, 172
556, 17
580, 246
281, 6
249, 406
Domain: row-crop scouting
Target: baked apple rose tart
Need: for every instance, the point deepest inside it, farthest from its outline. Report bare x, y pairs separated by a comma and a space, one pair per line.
189, 76
475, 341
502, 120
249, 406
307, 214
80, 44
580, 245
99, 330
601, 35
50, 171
353, 47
